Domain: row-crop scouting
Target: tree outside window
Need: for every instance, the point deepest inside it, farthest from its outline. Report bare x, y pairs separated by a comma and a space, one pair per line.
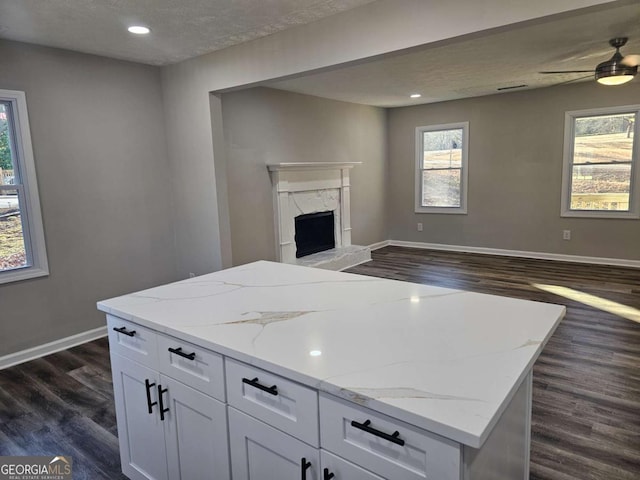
22, 249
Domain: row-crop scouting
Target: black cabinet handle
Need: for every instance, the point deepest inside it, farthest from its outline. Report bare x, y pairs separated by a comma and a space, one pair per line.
365, 426
147, 386
326, 475
273, 389
178, 351
163, 410
125, 331
304, 465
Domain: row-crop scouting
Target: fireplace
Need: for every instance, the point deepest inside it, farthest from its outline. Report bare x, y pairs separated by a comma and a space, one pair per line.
314, 233
317, 193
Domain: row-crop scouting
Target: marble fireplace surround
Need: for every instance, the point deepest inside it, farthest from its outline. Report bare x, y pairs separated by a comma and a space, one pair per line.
311, 187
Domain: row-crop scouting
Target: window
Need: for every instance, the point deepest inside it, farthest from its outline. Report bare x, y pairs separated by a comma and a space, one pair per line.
441, 168
22, 249
600, 172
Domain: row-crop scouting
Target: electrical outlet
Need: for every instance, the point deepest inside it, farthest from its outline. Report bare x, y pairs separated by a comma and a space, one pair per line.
419, 227
192, 275
566, 234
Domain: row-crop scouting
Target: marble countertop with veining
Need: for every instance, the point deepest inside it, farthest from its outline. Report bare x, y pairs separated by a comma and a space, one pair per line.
444, 360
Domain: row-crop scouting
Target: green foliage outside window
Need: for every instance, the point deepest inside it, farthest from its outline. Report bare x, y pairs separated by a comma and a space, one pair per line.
5, 150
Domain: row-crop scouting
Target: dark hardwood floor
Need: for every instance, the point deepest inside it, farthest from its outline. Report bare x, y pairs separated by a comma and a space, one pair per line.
586, 399
62, 404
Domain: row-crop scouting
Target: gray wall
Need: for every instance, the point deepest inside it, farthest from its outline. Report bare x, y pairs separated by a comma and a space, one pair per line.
263, 125
201, 210
193, 175
100, 153
515, 172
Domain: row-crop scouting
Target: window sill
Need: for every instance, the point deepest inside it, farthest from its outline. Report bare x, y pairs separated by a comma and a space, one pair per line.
19, 274
440, 210
599, 214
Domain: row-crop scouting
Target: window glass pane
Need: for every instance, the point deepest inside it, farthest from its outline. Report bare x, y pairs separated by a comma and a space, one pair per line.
6, 164
442, 149
13, 252
441, 188
600, 187
603, 139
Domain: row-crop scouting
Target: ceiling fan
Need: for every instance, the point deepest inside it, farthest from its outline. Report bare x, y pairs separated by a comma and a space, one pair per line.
615, 71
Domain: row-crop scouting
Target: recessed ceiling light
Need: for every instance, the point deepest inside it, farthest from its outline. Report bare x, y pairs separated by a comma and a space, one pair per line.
315, 353
138, 29
415, 95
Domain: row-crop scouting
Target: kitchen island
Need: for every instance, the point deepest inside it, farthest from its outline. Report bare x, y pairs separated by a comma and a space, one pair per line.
269, 370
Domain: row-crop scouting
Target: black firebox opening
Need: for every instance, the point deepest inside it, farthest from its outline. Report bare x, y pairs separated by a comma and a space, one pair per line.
314, 233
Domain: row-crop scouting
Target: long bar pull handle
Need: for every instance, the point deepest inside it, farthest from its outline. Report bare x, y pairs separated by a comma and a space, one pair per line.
304, 465
273, 389
327, 475
367, 428
147, 386
124, 331
178, 351
163, 410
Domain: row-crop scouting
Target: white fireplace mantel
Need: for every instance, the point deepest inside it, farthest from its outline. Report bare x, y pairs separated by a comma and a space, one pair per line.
293, 166
309, 187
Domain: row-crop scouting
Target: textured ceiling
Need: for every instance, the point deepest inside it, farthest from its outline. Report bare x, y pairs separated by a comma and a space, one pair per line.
181, 29
460, 68
476, 67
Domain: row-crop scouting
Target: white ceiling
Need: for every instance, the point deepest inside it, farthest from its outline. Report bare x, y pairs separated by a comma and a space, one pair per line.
180, 29
475, 67
455, 69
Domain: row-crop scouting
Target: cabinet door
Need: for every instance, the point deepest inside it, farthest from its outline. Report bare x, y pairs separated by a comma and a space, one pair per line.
195, 429
141, 434
343, 470
260, 452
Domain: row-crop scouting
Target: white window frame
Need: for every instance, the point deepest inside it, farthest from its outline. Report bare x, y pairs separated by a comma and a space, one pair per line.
567, 164
33, 231
462, 209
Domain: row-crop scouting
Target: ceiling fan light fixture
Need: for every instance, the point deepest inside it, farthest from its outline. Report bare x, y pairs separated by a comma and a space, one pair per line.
614, 71
615, 79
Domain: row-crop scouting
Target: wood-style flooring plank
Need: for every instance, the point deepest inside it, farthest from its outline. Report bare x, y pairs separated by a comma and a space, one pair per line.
62, 404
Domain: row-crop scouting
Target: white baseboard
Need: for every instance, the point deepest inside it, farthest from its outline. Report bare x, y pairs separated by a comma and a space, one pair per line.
51, 347
378, 245
619, 262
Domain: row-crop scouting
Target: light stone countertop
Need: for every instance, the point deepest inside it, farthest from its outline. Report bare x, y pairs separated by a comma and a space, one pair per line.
444, 360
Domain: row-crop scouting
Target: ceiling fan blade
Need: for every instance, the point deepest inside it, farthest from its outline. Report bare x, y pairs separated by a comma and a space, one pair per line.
631, 60
572, 80
568, 71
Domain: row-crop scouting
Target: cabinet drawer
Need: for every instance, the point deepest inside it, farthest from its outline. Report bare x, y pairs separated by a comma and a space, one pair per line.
422, 455
343, 470
132, 341
289, 406
195, 366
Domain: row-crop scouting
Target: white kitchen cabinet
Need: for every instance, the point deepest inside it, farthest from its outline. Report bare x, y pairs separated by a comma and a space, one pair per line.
384, 445
259, 451
141, 434
336, 468
195, 433
279, 402
167, 430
